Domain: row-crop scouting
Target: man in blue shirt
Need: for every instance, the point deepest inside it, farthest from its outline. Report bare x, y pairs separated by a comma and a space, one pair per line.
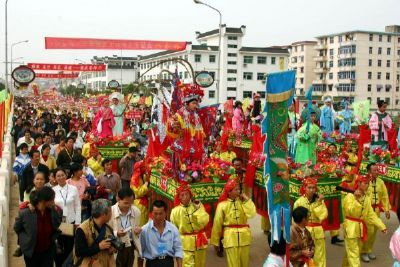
160, 239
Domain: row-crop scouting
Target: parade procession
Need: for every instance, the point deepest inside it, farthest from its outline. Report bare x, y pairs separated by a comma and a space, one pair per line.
122, 148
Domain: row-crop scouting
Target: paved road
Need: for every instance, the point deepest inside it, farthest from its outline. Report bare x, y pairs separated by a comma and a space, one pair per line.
259, 249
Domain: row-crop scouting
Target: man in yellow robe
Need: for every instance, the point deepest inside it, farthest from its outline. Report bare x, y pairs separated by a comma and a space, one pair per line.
230, 222
377, 191
317, 212
357, 211
140, 187
191, 218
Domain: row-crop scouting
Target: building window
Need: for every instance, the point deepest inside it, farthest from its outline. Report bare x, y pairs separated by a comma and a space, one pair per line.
346, 62
261, 60
380, 38
186, 74
330, 75
197, 58
232, 71
302, 80
340, 38
302, 69
370, 50
248, 59
331, 64
389, 39
212, 74
371, 37
346, 87
231, 62
388, 51
301, 60
397, 88
273, 60
247, 94
370, 62
262, 94
331, 40
387, 100
231, 88
232, 46
232, 55
369, 75
379, 63
211, 58
398, 40
231, 79
398, 52
397, 101
388, 63
260, 76
247, 76
369, 87
388, 87
211, 94
387, 75
302, 47
398, 64
346, 75
379, 50
232, 38
331, 52
378, 75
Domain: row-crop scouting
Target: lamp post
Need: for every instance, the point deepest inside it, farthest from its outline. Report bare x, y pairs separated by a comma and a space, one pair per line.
121, 71
83, 62
12, 47
219, 45
6, 44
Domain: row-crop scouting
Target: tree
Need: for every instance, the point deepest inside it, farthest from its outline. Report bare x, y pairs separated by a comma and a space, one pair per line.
2, 86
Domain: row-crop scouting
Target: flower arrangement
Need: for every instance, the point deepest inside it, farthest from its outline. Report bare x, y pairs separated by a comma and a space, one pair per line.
257, 160
380, 155
216, 169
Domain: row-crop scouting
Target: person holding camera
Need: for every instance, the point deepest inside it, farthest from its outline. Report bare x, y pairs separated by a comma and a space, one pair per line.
125, 221
318, 212
230, 222
93, 238
191, 218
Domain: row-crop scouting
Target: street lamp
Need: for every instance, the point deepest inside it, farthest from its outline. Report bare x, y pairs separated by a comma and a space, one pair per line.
12, 47
6, 44
83, 62
219, 45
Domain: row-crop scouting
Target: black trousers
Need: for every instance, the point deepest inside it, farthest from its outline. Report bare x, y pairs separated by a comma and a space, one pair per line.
66, 244
125, 183
126, 257
167, 262
42, 259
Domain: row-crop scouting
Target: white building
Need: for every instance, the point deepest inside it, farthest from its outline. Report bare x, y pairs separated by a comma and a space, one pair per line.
124, 75
359, 65
243, 68
302, 61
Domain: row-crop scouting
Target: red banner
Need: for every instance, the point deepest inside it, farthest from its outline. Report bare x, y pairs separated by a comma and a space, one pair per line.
57, 75
67, 67
111, 44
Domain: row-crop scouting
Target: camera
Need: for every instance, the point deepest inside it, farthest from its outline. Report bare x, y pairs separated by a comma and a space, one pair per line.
116, 243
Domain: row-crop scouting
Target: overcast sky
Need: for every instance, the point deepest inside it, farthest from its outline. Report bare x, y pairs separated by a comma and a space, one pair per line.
268, 22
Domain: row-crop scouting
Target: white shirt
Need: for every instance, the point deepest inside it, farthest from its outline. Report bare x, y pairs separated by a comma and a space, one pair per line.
67, 198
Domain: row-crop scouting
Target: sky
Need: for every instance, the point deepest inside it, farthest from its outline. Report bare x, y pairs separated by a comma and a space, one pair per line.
268, 23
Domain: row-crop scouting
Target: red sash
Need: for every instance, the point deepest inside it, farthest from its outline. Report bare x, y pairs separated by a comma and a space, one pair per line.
201, 239
364, 226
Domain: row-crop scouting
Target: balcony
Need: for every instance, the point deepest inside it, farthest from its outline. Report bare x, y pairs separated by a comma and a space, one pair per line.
320, 47
321, 58
319, 82
347, 68
347, 80
347, 43
321, 70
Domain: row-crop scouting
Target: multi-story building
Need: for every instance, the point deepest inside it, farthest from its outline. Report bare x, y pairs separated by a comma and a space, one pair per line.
359, 65
302, 61
121, 69
243, 69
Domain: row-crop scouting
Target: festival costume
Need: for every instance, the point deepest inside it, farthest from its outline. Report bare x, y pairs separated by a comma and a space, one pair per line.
394, 247
140, 189
377, 191
227, 156
357, 214
317, 213
95, 165
379, 133
103, 122
118, 112
230, 222
294, 120
191, 223
345, 118
327, 120
307, 143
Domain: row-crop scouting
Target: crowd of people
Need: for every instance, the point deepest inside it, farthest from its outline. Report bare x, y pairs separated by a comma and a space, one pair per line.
77, 210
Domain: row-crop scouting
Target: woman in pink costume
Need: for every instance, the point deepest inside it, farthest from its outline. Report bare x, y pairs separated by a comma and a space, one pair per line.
103, 121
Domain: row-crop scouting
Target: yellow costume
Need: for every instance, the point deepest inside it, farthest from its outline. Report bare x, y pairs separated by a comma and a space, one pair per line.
377, 191
95, 166
317, 213
141, 201
86, 150
191, 223
230, 221
227, 156
355, 213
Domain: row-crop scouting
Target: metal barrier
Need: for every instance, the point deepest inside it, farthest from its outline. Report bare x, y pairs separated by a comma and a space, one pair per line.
5, 178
